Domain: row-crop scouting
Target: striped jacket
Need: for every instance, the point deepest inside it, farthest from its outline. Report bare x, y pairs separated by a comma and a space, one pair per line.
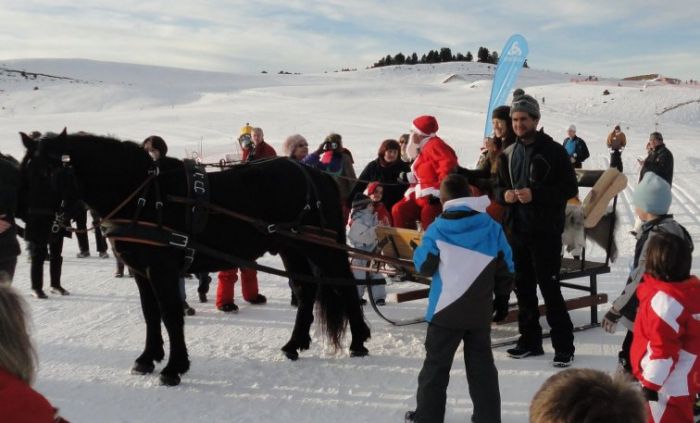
466, 253
666, 341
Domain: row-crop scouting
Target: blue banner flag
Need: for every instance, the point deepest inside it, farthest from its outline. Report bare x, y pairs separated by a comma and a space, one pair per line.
510, 62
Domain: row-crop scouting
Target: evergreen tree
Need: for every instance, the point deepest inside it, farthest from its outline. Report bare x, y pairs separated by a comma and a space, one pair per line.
493, 58
414, 58
459, 57
483, 55
445, 54
424, 59
388, 60
469, 57
399, 59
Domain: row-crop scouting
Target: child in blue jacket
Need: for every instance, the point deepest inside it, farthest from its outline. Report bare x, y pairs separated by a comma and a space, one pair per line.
466, 253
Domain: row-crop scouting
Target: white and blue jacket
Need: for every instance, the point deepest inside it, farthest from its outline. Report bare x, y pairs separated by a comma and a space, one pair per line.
467, 254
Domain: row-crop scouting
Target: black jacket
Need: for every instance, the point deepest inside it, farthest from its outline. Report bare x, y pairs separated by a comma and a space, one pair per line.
581, 152
659, 161
551, 179
9, 188
374, 171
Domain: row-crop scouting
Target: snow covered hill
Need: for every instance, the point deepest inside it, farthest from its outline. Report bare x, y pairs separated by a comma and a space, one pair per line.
87, 341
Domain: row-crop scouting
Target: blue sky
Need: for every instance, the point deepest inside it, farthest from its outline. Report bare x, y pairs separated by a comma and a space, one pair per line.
606, 38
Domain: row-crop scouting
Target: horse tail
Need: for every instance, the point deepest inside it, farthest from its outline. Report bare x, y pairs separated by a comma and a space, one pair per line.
332, 314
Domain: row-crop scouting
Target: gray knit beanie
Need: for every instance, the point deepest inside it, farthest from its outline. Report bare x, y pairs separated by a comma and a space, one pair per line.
525, 103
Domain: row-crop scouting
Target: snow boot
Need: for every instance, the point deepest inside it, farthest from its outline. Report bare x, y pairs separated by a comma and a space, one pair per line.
260, 299
59, 290
39, 293
229, 308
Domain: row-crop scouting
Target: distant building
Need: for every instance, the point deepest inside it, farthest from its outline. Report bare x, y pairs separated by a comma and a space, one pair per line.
654, 77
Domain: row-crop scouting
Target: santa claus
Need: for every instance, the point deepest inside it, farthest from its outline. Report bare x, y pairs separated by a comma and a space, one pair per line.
434, 160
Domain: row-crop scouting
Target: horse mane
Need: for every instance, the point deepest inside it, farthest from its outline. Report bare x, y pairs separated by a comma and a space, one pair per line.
105, 142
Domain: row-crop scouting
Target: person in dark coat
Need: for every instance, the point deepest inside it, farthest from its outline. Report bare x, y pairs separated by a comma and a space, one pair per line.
659, 160
385, 169
535, 180
9, 187
43, 243
332, 158
80, 218
576, 148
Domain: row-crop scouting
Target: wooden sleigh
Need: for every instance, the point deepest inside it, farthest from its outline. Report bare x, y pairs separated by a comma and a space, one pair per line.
605, 185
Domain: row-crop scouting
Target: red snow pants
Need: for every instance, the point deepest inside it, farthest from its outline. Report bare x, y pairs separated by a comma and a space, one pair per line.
405, 213
226, 281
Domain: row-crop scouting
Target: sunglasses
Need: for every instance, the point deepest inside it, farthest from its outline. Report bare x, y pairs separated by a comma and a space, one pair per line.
302, 145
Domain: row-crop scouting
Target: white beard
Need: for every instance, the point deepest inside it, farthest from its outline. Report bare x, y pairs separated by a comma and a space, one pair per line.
412, 150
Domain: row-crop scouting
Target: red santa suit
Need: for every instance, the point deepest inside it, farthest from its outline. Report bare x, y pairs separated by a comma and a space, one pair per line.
666, 346
435, 161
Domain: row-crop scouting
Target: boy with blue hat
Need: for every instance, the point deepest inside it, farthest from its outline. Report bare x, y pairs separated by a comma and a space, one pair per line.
652, 201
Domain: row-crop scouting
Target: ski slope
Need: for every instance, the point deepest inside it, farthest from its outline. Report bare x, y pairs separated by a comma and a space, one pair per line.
88, 340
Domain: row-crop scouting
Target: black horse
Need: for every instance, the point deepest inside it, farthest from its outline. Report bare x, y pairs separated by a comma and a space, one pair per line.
105, 171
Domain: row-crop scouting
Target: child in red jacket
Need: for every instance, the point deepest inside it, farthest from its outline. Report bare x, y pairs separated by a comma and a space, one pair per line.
667, 331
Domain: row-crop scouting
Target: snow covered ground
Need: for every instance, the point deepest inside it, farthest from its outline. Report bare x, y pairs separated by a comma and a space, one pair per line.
88, 340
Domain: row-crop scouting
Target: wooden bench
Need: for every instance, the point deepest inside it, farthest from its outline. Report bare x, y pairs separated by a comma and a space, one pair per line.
400, 243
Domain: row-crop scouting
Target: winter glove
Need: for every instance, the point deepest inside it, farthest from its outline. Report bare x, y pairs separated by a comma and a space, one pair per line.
650, 395
407, 178
610, 320
433, 200
500, 307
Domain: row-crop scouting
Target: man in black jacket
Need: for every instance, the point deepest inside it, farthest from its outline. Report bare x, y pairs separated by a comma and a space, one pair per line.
535, 180
9, 186
659, 160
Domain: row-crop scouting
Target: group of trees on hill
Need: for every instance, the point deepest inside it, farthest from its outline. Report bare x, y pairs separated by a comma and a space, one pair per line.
434, 56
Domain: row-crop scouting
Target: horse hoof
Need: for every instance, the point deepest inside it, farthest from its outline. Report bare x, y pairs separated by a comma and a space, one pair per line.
142, 369
169, 380
290, 351
292, 355
360, 351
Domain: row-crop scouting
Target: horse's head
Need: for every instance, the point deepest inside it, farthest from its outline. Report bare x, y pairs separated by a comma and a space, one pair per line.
48, 185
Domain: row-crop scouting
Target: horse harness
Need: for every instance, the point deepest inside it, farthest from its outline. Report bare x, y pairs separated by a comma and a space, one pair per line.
197, 209
196, 217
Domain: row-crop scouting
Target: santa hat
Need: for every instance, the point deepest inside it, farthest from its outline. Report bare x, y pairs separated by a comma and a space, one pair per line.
425, 125
371, 187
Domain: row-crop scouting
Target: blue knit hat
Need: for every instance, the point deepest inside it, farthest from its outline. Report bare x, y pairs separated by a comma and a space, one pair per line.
653, 194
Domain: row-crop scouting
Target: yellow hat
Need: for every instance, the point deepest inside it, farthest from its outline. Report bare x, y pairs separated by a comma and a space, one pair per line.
247, 129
